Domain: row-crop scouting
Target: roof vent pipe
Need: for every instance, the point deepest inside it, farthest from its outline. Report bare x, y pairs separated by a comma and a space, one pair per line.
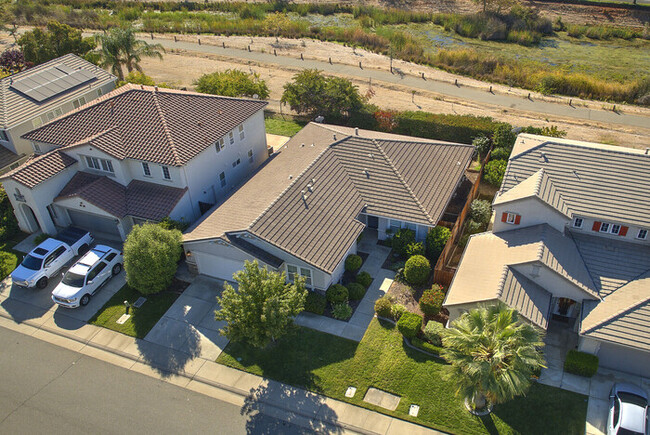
356, 131
334, 136
647, 150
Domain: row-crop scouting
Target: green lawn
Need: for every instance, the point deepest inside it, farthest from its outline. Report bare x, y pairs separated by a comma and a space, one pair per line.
142, 319
10, 260
328, 364
282, 127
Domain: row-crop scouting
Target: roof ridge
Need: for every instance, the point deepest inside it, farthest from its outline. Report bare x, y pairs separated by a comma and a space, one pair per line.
168, 133
401, 179
31, 160
3, 97
502, 279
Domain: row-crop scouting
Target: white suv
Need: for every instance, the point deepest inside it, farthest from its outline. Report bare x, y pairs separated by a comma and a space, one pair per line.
87, 276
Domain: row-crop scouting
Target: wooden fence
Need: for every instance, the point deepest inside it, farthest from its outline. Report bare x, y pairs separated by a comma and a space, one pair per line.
443, 274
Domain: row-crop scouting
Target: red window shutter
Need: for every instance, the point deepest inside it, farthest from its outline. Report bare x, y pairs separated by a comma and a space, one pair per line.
622, 231
596, 226
517, 219
504, 217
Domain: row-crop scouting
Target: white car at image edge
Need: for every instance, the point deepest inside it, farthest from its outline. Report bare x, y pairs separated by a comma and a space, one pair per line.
87, 276
628, 410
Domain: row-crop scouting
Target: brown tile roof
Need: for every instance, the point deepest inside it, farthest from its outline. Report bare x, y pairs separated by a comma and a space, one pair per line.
338, 179
139, 199
163, 126
40, 167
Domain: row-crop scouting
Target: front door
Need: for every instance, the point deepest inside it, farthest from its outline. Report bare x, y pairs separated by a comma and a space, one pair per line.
564, 307
373, 222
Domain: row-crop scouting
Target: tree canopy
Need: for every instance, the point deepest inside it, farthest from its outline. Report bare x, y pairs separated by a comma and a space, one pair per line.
492, 355
120, 48
151, 254
314, 94
262, 307
232, 83
57, 39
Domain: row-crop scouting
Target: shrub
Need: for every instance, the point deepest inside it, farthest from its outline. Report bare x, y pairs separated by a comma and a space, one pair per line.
482, 144
8, 262
431, 300
427, 347
480, 211
383, 307
435, 242
364, 279
41, 238
500, 154
409, 324
397, 310
8, 222
232, 83
337, 294
471, 227
415, 249
581, 363
315, 303
433, 332
417, 270
171, 224
356, 291
494, 172
504, 137
453, 128
353, 263
401, 240
341, 311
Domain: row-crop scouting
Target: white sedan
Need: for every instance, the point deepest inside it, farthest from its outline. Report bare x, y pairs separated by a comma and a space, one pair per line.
628, 410
87, 276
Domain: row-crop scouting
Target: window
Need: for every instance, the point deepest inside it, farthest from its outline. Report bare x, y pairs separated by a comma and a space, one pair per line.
222, 179
146, 170
231, 138
37, 147
241, 132
107, 165
511, 218
4, 136
292, 271
79, 102
100, 164
93, 162
577, 222
166, 174
236, 163
642, 234
53, 114
99, 92
52, 211
37, 122
615, 228
604, 227
219, 145
250, 156
110, 256
96, 271
411, 227
394, 226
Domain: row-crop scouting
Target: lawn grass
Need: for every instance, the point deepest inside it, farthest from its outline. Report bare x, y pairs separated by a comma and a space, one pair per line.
142, 319
283, 127
328, 365
13, 257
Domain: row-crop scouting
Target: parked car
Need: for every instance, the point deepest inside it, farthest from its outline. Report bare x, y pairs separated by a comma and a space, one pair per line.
87, 276
628, 410
47, 259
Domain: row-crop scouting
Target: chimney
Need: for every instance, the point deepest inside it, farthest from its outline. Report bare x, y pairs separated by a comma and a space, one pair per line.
356, 131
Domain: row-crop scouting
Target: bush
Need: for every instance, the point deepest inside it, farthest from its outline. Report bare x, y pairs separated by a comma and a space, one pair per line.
232, 83
480, 211
341, 311
471, 227
171, 224
482, 144
417, 270
435, 242
427, 347
401, 240
433, 332
500, 154
364, 279
415, 249
494, 172
397, 310
8, 262
356, 291
8, 223
336, 294
353, 263
409, 324
581, 363
383, 307
41, 238
504, 137
431, 300
315, 303
453, 128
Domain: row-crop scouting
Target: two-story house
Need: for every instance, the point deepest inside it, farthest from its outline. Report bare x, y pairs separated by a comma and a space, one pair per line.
569, 244
136, 154
303, 211
33, 97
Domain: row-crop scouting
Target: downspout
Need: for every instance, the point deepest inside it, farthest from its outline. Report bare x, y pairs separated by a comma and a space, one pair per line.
189, 192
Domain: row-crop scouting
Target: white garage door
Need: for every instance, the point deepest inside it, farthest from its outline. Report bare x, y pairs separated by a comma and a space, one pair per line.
94, 223
625, 359
217, 267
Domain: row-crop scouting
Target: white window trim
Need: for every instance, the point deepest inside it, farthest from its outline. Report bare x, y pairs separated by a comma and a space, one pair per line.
101, 164
616, 227
250, 156
511, 218
37, 147
219, 144
575, 222
223, 180
638, 234
231, 138
242, 135
606, 226
146, 169
302, 271
168, 176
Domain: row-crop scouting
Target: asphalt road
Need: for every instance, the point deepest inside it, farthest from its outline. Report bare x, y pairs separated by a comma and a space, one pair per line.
48, 389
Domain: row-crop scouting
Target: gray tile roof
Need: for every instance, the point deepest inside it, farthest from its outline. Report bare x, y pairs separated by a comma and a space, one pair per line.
594, 180
16, 107
538, 185
528, 298
163, 126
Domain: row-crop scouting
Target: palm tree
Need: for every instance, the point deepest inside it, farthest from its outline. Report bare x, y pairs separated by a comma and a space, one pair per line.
119, 47
492, 356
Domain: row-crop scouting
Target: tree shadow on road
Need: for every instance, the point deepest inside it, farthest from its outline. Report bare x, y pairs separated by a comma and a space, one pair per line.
183, 345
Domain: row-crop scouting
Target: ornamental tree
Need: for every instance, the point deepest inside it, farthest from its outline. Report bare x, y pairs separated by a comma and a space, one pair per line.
262, 307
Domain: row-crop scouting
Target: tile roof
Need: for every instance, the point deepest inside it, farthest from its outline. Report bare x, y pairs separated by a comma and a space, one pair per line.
16, 108
7, 157
587, 175
39, 168
538, 185
528, 298
139, 199
158, 125
346, 175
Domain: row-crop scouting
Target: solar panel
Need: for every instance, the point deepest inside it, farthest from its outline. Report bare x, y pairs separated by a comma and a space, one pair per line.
52, 81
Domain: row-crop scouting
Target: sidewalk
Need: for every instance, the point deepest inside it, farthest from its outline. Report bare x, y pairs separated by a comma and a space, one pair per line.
197, 371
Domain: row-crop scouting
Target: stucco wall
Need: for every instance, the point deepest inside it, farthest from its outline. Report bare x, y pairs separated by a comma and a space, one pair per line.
631, 236
552, 282
532, 211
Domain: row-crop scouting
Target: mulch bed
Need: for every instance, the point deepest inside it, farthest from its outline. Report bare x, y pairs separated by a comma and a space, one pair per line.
409, 296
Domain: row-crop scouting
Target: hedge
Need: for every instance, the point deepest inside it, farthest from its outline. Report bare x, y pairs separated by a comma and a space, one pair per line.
353, 263
581, 363
427, 347
315, 303
336, 294
417, 270
364, 278
383, 307
451, 128
8, 262
409, 324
